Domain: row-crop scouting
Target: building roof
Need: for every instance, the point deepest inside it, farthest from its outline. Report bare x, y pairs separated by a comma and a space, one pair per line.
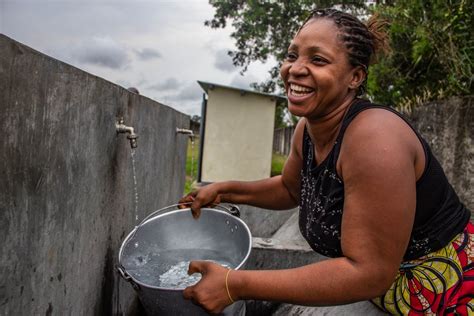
206, 86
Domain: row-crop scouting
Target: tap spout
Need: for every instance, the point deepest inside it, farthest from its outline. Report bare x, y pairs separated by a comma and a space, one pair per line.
186, 132
120, 127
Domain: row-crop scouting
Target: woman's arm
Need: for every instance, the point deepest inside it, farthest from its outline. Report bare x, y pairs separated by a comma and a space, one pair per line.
278, 193
379, 179
379, 206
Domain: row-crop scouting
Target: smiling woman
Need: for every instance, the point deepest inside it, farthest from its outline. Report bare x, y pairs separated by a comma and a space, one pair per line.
371, 194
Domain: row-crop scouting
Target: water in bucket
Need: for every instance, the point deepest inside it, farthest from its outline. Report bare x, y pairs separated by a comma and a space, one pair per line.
169, 269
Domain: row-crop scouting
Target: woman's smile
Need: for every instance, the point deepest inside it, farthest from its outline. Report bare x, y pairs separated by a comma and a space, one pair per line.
297, 93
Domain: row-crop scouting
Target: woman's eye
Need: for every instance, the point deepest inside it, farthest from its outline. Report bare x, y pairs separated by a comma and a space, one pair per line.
318, 60
291, 56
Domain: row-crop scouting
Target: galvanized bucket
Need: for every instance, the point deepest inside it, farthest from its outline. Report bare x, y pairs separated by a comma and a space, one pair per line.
171, 235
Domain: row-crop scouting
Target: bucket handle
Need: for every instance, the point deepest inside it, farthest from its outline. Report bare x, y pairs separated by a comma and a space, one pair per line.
232, 210
127, 277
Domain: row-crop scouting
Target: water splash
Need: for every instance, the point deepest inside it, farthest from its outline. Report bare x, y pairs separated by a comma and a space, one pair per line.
169, 269
135, 190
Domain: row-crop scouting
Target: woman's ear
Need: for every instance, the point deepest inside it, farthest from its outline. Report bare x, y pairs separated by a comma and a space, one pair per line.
358, 76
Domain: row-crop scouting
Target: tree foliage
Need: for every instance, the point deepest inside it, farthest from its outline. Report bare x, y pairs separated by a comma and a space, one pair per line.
432, 43
432, 51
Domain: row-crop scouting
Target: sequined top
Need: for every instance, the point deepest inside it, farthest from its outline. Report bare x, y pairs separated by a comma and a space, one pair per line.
439, 215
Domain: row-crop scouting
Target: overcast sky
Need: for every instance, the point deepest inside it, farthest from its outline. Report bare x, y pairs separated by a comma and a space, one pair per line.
160, 47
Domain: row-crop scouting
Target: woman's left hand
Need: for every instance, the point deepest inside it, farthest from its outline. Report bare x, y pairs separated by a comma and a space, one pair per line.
210, 292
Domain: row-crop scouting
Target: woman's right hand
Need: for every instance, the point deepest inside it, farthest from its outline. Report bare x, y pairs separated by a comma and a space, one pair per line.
202, 197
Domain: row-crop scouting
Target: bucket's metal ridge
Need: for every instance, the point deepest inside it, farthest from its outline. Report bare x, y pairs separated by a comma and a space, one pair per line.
218, 229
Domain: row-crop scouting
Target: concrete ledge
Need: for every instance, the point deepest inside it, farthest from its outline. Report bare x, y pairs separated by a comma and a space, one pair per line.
361, 308
272, 253
263, 222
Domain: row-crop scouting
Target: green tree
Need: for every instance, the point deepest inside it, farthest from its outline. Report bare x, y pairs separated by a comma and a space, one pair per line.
264, 29
431, 40
432, 51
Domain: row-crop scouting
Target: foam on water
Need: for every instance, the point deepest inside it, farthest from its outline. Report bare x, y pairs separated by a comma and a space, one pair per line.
170, 270
177, 276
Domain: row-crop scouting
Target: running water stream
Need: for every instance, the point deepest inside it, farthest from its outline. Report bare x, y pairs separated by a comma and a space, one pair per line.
161, 269
135, 191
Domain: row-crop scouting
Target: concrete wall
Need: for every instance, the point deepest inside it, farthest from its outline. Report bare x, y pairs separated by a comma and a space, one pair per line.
448, 126
238, 137
66, 180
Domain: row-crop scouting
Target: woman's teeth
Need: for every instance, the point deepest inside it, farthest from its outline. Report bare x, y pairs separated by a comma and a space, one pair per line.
299, 91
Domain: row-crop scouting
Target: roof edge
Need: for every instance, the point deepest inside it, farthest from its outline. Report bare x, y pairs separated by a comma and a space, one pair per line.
206, 86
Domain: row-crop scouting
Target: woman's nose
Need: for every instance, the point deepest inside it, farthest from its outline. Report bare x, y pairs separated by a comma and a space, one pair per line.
298, 68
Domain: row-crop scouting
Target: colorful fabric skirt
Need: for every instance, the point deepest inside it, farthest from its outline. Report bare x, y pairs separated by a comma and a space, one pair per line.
440, 283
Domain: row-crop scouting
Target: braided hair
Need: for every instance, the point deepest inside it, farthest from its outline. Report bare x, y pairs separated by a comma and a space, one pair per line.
363, 42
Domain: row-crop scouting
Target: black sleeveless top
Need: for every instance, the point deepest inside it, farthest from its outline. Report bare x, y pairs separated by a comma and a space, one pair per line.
439, 216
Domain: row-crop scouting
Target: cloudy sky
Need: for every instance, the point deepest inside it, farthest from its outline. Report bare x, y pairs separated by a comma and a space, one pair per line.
160, 47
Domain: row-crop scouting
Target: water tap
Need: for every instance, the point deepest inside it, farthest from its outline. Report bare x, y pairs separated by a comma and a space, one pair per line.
122, 128
186, 132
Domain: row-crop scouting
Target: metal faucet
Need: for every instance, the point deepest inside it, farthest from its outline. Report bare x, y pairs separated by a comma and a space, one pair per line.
120, 127
186, 132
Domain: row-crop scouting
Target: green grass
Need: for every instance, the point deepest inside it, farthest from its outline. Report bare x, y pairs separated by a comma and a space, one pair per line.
278, 161
190, 166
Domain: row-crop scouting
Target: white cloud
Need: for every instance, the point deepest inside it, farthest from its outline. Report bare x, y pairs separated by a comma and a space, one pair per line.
224, 61
102, 51
243, 82
190, 92
168, 84
147, 54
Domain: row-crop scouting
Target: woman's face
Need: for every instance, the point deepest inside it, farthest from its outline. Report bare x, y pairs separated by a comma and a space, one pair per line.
316, 72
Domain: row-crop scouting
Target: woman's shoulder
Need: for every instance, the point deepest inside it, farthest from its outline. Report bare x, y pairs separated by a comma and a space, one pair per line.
380, 122
378, 134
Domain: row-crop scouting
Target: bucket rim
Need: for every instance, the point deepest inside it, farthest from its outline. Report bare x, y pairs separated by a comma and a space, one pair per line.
188, 209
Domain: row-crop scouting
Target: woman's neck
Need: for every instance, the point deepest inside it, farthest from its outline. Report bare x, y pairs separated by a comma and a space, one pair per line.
323, 131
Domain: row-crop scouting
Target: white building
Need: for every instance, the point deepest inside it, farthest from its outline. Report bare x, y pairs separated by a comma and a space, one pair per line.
236, 134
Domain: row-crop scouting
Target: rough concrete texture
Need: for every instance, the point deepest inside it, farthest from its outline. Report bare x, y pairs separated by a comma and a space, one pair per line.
262, 222
67, 187
290, 231
356, 309
271, 253
448, 126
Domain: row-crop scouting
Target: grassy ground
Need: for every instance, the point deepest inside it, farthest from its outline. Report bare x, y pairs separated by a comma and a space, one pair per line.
278, 161
277, 165
191, 164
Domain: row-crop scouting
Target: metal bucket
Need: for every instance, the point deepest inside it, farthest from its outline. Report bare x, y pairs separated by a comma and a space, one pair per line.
172, 235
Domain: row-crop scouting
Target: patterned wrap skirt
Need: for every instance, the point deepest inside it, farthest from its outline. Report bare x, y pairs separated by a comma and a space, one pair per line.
440, 283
